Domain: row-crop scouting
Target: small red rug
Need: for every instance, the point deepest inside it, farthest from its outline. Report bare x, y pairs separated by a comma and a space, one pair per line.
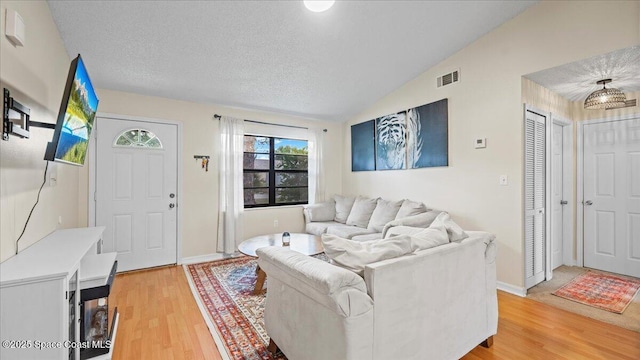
608, 292
224, 289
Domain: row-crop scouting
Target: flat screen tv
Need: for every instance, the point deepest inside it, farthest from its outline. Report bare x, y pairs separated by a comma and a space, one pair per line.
75, 118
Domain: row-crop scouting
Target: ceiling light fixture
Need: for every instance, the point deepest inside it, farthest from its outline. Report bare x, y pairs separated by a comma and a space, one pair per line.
605, 98
318, 5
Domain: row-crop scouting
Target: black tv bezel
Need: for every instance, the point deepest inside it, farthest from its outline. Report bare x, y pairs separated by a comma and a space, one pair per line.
52, 146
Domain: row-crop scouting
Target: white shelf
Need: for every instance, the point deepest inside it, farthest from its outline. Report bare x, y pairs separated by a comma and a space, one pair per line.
95, 269
52, 257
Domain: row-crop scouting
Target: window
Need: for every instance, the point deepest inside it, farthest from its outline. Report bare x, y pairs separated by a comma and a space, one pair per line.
138, 138
275, 171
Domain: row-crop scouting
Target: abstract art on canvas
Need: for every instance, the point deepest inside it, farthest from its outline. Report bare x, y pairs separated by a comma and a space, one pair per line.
415, 138
391, 142
427, 135
363, 156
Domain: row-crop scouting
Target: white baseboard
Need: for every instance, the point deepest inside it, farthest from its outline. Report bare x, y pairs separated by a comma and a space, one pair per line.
511, 289
202, 258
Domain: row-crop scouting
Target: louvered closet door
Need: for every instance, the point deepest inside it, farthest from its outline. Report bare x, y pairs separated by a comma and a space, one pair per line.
534, 182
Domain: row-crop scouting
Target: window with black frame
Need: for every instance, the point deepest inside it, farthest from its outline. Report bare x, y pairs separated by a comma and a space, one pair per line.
275, 171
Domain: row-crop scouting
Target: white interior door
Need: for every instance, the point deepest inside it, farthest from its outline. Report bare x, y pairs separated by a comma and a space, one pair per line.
612, 196
136, 183
535, 198
557, 191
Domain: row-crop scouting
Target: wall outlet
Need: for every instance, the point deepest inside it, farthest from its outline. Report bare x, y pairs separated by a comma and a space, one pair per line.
275, 223
60, 219
504, 180
53, 174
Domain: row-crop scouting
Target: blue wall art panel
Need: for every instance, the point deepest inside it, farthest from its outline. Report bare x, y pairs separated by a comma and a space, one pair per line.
363, 154
427, 135
391, 142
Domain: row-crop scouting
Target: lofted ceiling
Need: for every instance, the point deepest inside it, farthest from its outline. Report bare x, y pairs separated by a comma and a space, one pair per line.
271, 55
576, 80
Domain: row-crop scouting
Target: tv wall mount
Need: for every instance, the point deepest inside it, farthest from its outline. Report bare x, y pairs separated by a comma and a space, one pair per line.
13, 113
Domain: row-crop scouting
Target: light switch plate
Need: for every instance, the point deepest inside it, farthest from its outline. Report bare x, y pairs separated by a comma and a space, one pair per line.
504, 180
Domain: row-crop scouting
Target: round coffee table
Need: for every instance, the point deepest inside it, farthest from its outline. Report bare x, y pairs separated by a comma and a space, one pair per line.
303, 243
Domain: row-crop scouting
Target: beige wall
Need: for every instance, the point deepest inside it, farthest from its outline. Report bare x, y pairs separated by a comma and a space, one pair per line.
35, 74
488, 103
541, 98
199, 200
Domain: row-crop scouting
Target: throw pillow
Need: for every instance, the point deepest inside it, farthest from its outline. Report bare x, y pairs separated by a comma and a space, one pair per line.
355, 255
454, 230
361, 212
421, 220
385, 211
343, 208
325, 211
409, 208
435, 235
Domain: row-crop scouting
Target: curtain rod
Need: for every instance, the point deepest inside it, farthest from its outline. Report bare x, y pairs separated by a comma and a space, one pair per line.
216, 116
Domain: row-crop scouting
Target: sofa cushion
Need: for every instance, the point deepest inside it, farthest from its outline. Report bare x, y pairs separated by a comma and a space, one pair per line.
347, 231
442, 222
421, 221
318, 228
367, 237
355, 255
325, 211
402, 230
454, 230
409, 208
385, 211
343, 208
435, 235
361, 211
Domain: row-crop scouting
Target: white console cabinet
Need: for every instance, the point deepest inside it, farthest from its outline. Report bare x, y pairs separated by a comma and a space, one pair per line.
40, 296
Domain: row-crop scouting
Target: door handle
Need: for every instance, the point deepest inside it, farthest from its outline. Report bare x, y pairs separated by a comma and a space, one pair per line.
563, 202
588, 202
172, 205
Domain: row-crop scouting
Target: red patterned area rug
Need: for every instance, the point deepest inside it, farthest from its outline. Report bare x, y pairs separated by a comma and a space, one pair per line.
224, 291
603, 291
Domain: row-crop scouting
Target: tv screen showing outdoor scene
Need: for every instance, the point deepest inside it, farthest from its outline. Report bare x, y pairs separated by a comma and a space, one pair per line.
75, 118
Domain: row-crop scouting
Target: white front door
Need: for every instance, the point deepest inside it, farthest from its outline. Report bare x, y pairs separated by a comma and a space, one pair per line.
612, 196
136, 183
557, 191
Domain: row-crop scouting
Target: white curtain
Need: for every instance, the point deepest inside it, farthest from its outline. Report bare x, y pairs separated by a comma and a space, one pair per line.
316, 166
231, 184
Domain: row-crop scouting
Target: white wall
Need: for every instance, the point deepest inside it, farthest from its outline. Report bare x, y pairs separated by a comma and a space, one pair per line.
488, 103
36, 75
199, 200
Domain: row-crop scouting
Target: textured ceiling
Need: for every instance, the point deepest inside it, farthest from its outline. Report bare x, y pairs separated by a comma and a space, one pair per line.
271, 55
575, 81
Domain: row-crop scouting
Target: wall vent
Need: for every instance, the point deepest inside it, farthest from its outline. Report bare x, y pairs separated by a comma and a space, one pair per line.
448, 79
628, 103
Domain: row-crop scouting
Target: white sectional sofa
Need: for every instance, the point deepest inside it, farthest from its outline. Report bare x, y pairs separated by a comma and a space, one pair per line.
362, 219
437, 303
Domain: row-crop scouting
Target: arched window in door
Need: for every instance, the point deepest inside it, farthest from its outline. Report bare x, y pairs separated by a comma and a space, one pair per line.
140, 138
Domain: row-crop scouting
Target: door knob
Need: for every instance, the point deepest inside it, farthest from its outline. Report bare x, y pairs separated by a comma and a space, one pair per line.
588, 202
172, 205
563, 202
172, 195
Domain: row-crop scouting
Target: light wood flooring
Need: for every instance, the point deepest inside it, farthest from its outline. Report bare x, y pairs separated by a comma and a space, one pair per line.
159, 319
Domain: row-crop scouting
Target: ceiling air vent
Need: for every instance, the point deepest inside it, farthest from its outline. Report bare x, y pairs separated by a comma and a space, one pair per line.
448, 79
628, 103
